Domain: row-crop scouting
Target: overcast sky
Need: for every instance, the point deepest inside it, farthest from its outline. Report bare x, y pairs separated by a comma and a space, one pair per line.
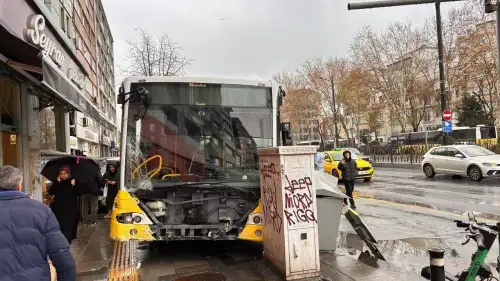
251, 39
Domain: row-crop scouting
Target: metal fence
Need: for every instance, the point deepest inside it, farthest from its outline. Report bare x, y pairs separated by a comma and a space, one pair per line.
407, 153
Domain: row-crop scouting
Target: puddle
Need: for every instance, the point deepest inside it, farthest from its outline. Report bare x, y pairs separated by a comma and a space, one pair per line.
207, 276
409, 253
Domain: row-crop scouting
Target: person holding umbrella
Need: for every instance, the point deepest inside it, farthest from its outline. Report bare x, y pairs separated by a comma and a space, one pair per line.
86, 173
65, 203
112, 179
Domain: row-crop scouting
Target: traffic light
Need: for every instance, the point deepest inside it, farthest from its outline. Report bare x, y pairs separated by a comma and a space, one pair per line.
490, 6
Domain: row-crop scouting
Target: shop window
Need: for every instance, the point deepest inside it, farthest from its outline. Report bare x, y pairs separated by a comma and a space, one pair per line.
10, 115
47, 129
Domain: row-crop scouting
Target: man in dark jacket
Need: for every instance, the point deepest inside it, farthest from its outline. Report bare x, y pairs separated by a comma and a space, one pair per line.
29, 232
349, 170
91, 192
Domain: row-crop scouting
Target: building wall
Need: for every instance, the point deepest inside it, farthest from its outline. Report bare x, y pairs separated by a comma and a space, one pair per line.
84, 23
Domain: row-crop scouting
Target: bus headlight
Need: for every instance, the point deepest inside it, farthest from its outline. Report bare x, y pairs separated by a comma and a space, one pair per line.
132, 218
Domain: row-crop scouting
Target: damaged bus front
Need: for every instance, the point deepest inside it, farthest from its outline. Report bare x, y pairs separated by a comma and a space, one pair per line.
191, 154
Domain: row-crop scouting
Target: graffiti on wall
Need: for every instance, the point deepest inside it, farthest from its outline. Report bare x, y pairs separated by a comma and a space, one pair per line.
271, 213
299, 201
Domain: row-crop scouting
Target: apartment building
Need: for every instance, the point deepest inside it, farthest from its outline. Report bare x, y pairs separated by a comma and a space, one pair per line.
85, 25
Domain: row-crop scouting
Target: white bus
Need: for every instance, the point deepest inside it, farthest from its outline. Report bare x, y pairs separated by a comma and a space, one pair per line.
197, 146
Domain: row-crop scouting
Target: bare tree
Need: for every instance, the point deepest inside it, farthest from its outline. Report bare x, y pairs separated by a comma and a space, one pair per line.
398, 63
327, 77
155, 56
301, 103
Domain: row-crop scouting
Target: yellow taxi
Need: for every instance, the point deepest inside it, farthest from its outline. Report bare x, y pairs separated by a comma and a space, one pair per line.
332, 159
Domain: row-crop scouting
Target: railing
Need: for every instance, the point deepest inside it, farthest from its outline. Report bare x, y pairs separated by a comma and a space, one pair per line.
408, 154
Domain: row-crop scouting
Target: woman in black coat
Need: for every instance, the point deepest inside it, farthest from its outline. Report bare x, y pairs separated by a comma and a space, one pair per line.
65, 203
112, 179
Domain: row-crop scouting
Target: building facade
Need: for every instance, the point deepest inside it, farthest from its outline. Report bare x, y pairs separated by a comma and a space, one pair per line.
41, 69
84, 22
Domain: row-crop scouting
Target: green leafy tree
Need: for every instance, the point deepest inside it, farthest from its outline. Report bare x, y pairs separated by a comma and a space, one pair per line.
471, 112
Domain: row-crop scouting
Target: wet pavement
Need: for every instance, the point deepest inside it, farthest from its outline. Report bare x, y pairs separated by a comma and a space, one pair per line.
216, 261
410, 186
404, 233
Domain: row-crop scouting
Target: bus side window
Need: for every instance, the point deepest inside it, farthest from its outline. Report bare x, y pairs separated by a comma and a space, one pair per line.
487, 132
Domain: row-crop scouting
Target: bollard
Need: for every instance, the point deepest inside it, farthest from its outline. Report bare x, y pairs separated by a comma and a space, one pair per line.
436, 256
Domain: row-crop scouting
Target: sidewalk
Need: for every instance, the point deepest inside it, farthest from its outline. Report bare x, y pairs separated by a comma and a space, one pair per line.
92, 251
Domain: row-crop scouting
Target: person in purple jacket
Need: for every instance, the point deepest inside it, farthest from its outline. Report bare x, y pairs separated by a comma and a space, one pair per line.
29, 235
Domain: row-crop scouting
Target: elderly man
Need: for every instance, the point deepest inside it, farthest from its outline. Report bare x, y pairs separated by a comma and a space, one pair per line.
29, 233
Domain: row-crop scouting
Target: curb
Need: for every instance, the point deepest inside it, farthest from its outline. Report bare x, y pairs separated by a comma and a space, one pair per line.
364, 194
400, 165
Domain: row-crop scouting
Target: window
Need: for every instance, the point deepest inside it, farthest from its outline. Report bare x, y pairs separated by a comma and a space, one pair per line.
68, 26
451, 152
62, 17
439, 152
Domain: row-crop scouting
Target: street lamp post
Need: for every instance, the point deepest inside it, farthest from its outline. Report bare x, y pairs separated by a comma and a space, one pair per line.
394, 3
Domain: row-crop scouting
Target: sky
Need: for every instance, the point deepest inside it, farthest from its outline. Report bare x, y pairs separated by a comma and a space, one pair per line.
251, 39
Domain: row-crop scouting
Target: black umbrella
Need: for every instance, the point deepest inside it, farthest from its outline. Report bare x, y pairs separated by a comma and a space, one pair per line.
82, 168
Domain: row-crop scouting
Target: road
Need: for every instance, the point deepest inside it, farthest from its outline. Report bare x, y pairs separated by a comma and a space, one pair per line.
406, 232
442, 192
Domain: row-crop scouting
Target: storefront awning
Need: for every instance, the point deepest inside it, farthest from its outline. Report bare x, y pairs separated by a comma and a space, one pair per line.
70, 93
22, 55
16, 49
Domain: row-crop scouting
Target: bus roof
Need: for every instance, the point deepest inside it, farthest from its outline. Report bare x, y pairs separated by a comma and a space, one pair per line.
206, 80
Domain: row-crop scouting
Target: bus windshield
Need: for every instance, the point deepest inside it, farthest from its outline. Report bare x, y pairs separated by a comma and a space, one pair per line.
199, 132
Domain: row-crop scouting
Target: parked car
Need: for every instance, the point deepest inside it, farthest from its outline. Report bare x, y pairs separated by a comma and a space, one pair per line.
359, 154
473, 161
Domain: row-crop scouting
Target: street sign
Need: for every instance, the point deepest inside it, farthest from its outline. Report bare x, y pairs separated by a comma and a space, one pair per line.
447, 127
446, 115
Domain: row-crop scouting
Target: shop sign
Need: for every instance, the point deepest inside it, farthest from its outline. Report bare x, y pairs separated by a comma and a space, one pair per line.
13, 139
38, 37
73, 142
76, 78
87, 134
106, 140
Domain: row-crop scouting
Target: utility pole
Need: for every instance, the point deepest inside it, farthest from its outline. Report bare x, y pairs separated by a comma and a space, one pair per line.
442, 86
394, 3
491, 6
334, 100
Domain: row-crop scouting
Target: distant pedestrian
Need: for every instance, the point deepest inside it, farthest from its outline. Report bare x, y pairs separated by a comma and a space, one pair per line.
112, 180
91, 190
65, 204
349, 170
29, 234
318, 161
